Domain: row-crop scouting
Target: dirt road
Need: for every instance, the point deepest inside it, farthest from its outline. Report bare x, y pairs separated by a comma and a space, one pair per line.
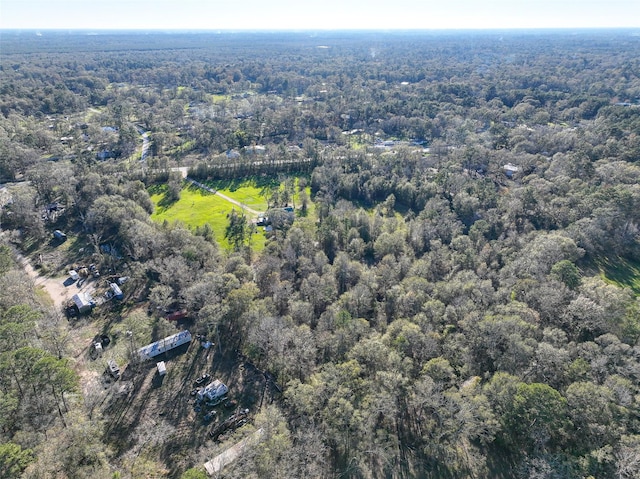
54, 287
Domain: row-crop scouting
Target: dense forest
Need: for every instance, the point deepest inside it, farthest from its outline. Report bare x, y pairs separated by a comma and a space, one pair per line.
448, 286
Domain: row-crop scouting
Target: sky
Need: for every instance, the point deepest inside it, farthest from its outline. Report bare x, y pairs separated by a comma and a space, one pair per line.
316, 14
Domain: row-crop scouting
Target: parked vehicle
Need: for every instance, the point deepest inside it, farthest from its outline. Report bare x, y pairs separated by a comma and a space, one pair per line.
177, 315
113, 369
59, 235
94, 271
202, 380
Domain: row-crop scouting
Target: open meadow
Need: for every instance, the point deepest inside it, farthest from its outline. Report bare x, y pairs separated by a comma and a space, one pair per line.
249, 192
197, 207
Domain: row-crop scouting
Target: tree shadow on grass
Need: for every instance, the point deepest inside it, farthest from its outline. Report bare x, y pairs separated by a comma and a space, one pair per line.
621, 271
232, 184
147, 400
167, 201
196, 189
247, 389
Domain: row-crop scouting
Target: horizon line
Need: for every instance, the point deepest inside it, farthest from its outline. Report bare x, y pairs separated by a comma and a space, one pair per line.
307, 30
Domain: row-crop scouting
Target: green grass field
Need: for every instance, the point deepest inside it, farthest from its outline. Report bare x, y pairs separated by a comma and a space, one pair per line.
248, 192
197, 207
216, 98
621, 272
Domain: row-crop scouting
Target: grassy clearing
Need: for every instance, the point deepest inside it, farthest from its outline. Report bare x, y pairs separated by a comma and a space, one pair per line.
311, 208
621, 272
252, 192
360, 141
197, 207
217, 98
181, 148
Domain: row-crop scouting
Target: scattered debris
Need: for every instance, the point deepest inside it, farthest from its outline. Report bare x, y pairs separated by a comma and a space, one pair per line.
94, 271
113, 369
96, 349
98, 345
233, 422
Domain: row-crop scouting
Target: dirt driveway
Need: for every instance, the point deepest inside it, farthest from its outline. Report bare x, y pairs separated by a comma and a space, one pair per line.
54, 287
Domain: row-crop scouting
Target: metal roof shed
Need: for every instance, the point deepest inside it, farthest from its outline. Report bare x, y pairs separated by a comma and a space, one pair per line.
84, 302
117, 292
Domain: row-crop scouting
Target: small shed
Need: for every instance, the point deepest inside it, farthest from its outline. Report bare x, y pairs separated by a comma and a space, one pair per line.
117, 292
510, 170
255, 149
233, 154
162, 368
83, 302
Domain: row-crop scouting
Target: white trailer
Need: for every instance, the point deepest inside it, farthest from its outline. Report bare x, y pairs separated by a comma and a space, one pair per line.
170, 342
